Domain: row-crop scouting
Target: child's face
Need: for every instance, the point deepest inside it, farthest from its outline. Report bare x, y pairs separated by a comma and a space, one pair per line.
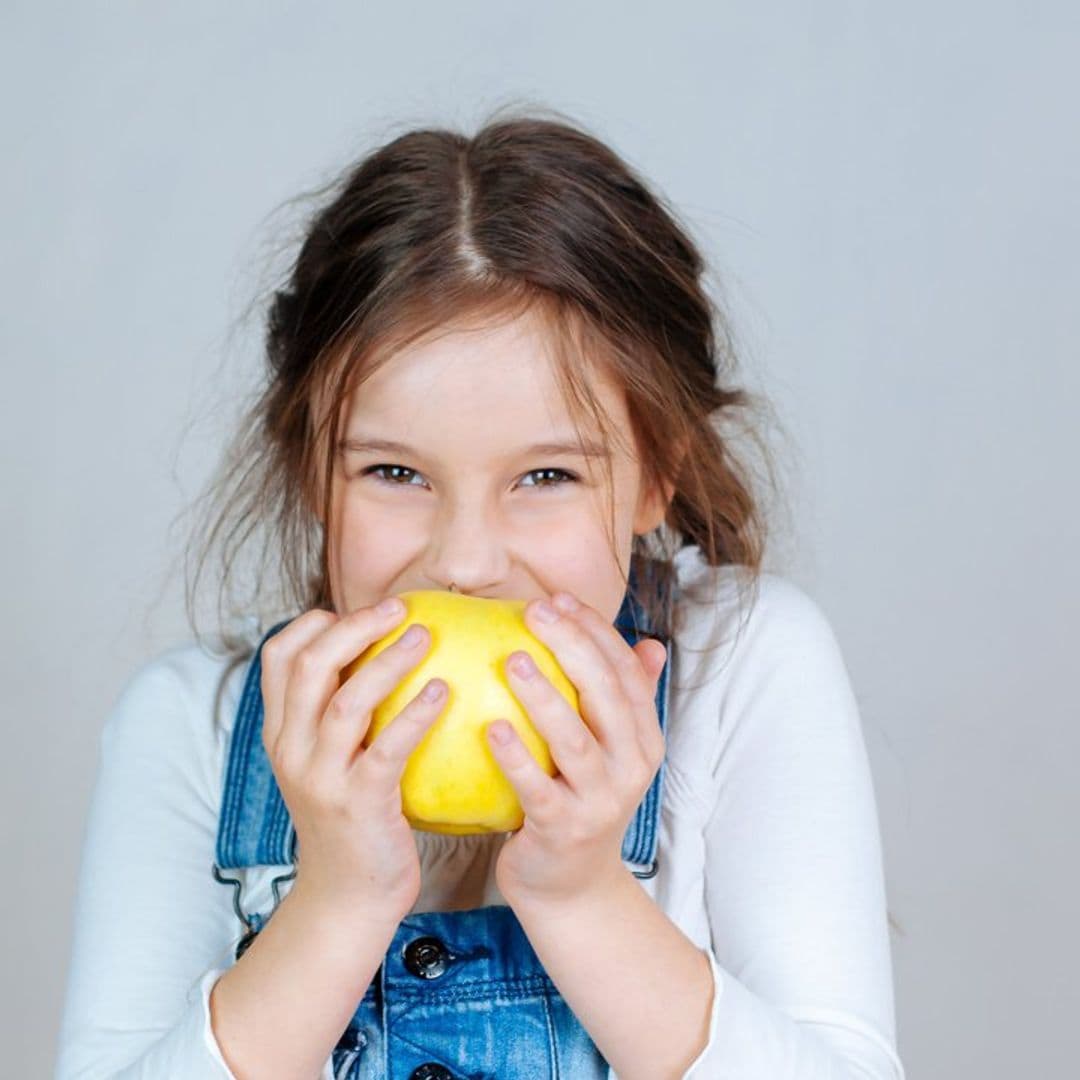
464, 504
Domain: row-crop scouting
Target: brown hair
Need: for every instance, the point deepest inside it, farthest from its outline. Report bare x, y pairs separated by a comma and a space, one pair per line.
433, 229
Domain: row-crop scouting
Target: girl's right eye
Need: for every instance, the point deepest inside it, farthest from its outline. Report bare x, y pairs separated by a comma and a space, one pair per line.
377, 469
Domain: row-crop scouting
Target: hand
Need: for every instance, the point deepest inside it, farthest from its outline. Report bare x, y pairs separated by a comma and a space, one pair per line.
606, 759
357, 853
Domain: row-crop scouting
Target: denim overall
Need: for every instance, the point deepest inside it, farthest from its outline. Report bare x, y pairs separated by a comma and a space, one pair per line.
459, 995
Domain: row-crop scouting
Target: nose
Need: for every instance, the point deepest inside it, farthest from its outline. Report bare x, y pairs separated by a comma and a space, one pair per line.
466, 548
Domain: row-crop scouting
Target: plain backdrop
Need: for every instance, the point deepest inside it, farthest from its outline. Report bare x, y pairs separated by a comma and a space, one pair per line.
889, 196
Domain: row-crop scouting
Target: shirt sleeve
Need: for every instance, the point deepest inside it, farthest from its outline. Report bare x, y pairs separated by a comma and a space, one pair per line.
794, 882
153, 931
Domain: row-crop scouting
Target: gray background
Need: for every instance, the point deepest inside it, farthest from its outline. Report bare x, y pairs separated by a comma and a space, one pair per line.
890, 197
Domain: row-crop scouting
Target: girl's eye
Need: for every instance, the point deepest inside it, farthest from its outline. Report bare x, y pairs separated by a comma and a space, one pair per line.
399, 469
377, 469
568, 477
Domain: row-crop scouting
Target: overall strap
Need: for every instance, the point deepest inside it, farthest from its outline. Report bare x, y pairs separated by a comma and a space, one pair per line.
255, 829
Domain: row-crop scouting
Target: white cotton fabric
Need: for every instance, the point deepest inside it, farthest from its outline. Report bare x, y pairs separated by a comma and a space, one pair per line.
769, 854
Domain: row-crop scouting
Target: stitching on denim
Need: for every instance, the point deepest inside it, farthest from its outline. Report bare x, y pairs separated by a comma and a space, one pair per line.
428, 1052
553, 1042
475, 990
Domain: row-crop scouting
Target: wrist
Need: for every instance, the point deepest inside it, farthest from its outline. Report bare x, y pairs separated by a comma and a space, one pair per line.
599, 888
348, 914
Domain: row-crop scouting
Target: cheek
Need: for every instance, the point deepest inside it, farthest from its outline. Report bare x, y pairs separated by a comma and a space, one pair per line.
582, 564
363, 556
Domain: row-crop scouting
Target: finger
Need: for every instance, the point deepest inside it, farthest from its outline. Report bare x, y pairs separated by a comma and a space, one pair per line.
638, 680
315, 673
598, 684
654, 659
541, 796
347, 716
275, 659
573, 747
638, 667
654, 742
383, 762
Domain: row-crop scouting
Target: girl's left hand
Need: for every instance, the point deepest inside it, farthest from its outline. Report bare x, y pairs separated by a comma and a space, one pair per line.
575, 822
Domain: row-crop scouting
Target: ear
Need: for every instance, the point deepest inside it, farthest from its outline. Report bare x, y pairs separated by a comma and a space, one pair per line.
651, 509
653, 503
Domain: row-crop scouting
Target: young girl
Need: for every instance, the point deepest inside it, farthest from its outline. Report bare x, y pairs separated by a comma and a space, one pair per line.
493, 369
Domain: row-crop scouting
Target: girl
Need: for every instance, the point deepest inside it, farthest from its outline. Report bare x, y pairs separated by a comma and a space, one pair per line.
493, 368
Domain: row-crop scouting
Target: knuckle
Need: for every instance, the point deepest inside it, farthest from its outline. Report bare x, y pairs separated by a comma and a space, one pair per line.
359, 615
317, 616
306, 662
609, 682
548, 800
379, 755
577, 741
341, 706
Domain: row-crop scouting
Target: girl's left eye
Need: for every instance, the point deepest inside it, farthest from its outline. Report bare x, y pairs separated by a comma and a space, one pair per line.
399, 469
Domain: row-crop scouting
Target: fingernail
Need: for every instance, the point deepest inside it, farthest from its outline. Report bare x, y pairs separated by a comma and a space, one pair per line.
545, 613
500, 732
433, 691
413, 636
523, 665
390, 606
565, 602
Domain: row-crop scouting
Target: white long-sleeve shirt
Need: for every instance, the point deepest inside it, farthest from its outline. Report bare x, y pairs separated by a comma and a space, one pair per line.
769, 855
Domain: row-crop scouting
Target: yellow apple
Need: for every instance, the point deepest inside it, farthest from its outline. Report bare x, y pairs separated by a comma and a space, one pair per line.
452, 782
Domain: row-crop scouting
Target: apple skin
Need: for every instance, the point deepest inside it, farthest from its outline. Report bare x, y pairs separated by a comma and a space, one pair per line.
452, 782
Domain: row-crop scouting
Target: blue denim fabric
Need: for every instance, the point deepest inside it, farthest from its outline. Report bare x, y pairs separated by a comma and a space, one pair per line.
459, 994
462, 995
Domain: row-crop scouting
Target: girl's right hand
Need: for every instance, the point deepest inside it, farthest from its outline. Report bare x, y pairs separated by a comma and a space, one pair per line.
356, 851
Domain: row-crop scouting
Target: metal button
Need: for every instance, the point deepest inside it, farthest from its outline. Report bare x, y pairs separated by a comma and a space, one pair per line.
245, 942
427, 957
431, 1070
352, 1039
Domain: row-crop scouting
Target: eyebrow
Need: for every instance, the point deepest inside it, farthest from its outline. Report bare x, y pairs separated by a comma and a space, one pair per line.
587, 449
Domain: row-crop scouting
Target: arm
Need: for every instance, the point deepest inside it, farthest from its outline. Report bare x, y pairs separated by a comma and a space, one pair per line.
799, 982
153, 931
794, 887
658, 1020
148, 926
282, 1008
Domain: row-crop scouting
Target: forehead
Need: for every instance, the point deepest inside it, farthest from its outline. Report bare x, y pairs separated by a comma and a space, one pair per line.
492, 382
